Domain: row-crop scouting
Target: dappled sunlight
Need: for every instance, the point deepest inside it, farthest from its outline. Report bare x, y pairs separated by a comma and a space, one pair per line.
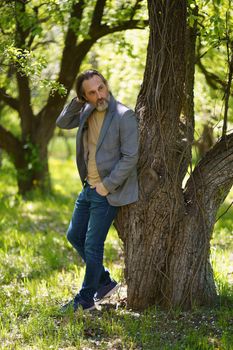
40, 271
221, 253
222, 248
179, 82
64, 176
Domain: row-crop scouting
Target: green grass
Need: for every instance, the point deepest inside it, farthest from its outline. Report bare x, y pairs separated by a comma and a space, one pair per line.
39, 271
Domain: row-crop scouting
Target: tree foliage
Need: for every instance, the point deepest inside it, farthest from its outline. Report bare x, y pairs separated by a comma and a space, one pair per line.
43, 45
214, 59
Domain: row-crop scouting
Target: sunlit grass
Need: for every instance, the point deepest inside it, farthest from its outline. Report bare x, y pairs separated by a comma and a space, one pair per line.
39, 271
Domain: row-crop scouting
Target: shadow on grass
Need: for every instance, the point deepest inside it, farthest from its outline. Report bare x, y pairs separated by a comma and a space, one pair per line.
35, 255
118, 328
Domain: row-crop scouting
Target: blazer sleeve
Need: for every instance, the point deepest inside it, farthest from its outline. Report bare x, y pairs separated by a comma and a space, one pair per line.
129, 152
70, 115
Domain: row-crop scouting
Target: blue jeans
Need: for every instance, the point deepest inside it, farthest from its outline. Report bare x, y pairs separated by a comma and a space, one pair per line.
91, 220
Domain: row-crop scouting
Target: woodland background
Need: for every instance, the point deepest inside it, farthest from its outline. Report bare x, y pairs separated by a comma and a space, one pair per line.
38, 268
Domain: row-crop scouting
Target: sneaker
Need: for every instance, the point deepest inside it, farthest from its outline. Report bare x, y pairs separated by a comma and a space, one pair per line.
79, 302
106, 291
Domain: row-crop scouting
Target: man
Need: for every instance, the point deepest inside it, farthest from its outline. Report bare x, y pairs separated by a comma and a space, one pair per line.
107, 153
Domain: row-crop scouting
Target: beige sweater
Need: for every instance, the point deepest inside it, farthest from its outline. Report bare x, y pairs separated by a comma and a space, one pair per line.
95, 122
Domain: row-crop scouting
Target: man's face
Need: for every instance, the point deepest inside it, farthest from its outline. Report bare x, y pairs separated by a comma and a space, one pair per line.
96, 93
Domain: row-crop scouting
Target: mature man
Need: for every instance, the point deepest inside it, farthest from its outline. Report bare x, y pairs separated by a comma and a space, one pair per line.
107, 153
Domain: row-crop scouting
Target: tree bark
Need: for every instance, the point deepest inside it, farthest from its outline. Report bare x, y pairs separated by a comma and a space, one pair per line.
166, 234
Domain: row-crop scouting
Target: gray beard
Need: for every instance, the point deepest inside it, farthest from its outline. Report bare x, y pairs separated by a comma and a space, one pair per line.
102, 107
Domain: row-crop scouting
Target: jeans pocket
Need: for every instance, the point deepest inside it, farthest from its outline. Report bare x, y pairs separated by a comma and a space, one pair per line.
100, 195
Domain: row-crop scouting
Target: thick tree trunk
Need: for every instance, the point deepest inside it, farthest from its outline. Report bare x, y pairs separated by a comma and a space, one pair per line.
30, 159
167, 233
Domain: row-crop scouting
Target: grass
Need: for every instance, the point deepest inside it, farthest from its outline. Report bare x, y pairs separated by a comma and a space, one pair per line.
39, 271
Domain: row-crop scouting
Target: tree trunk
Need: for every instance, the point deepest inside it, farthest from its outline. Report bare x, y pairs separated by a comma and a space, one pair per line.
32, 168
167, 233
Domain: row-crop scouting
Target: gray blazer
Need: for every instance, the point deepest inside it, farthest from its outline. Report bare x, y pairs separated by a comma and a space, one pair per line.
116, 151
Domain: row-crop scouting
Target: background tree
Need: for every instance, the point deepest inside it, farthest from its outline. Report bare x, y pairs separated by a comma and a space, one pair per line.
214, 67
167, 233
28, 28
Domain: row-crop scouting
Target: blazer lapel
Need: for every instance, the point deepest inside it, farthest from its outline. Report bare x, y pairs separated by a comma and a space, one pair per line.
107, 121
86, 113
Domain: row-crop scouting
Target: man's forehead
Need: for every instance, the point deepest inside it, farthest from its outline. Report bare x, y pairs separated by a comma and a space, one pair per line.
92, 83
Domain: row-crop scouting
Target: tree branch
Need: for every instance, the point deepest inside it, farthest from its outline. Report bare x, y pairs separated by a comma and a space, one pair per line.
212, 79
68, 70
229, 206
136, 7
72, 58
187, 127
130, 24
25, 108
8, 141
20, 33
68, 55
212, 178
97, 15
42, 43
9, 100
228, 87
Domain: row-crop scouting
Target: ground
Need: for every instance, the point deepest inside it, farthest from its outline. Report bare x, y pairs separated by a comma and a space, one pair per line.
39, 271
